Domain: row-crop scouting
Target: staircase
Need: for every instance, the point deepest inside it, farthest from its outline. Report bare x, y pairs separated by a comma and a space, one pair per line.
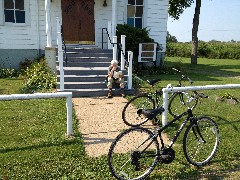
86, 70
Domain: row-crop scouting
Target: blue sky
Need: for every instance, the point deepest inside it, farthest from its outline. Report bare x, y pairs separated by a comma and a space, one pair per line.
219, 20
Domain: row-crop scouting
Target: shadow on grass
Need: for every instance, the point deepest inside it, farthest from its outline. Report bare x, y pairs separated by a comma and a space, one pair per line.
194, 173
44, 145
209, 70
223, 121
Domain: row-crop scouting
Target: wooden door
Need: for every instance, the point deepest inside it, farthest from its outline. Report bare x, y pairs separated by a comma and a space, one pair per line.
78, 21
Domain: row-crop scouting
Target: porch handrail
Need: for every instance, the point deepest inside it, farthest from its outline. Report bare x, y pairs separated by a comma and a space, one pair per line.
64, 46
125, 62
119, 45
60, 54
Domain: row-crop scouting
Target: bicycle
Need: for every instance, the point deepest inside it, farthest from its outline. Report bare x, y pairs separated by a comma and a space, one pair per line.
135, 152
132, 115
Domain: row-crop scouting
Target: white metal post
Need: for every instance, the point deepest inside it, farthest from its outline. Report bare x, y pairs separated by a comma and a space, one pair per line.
123, 37
61, 70
60, 54
69, 116
165, 107
59, 38
110, 35
114, 47
130, 57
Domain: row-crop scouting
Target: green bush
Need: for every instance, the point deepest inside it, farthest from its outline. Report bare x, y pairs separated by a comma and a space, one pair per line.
8, 73
39, 77
134, 36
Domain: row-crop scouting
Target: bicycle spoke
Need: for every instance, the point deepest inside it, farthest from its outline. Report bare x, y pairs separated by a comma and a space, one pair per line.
133, 154
132, 112
200, 147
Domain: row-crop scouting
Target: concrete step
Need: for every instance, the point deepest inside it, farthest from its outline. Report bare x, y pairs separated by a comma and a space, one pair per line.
87, 64
89, 50
85, 71
89, 59
88, 54
83, 78
97, 92
86, 85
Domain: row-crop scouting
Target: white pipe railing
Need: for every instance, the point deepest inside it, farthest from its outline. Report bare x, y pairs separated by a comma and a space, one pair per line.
123, 37
189, 88
130, 57
109, 29
114, 47
60, 54
67, 95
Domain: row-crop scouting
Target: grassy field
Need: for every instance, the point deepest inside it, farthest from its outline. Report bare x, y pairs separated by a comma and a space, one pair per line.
33, 145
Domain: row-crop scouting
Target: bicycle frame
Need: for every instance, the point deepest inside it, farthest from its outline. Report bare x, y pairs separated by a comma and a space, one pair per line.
160, 130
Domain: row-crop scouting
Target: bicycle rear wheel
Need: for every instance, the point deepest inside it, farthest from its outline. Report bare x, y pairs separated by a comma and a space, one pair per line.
131, 113
133, 154
178, 103
201, 141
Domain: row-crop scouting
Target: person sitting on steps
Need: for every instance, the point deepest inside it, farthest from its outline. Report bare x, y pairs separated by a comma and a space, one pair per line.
115, 75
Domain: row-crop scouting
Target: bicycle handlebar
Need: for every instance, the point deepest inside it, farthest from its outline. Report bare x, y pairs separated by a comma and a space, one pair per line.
184, 76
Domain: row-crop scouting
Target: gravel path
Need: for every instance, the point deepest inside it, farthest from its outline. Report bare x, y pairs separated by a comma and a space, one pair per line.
99, 122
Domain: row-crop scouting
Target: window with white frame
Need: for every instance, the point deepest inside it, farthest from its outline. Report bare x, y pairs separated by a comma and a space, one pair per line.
14, 11
135, 13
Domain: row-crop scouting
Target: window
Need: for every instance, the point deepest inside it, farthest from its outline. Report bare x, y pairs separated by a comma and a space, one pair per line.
135, 13
14, 11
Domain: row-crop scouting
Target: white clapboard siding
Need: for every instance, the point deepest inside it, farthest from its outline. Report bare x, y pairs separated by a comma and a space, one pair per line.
32, 35
156, 20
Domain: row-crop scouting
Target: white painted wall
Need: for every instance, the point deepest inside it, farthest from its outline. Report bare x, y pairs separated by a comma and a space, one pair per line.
20, 36
156, 15
33, 34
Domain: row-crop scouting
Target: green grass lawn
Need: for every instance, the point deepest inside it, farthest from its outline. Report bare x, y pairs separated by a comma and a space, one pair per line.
33, 143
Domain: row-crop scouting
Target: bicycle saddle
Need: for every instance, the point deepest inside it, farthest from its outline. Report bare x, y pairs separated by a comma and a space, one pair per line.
152, 82
151, 113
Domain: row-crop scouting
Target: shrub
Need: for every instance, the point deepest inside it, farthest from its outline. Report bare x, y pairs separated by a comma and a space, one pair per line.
39, 77
211, 50
8, 73
134, 36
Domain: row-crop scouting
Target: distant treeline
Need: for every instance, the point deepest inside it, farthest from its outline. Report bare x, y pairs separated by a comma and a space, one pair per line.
211, 50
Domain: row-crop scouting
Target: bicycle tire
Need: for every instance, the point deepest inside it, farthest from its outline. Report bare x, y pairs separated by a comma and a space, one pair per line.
196, 151
177, 104
131, 113
133, 154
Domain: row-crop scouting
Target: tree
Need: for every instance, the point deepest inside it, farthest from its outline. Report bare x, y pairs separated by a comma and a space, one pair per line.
171, 38
195, 31
176, 8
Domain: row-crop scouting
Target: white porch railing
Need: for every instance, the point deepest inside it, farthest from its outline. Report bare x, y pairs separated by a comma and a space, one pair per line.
189, 88
130, 57
67, 95
60, 54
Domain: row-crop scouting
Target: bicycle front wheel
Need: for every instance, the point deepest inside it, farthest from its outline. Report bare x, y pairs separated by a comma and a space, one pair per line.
131, 113
178, 103
133, 154
201, 141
